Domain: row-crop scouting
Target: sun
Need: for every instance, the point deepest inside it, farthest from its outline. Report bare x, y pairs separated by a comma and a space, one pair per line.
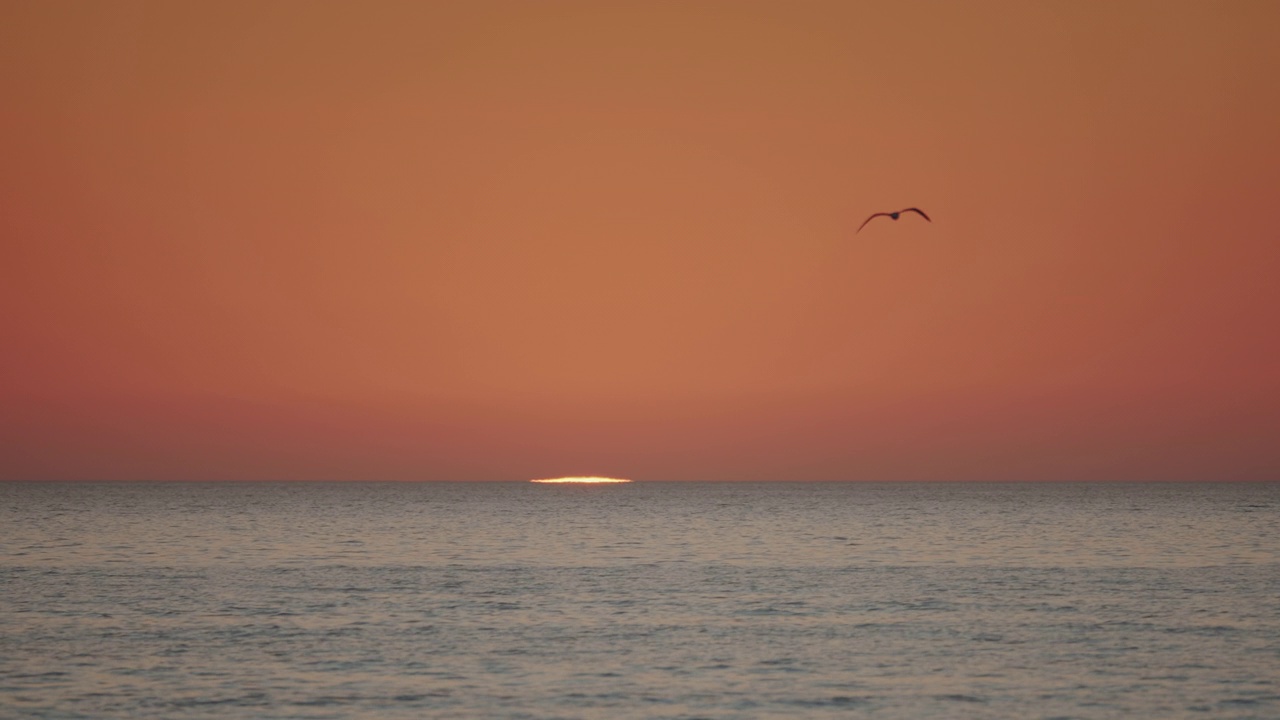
581, 480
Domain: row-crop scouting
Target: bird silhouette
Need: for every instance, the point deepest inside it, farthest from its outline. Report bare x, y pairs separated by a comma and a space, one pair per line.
892, 215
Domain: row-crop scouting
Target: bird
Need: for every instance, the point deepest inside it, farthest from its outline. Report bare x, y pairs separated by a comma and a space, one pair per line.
892, 215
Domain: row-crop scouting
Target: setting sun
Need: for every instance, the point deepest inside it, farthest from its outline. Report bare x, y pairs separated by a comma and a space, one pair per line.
582, 480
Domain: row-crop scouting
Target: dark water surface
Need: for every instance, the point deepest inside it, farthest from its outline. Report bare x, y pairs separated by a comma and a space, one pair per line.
648, 600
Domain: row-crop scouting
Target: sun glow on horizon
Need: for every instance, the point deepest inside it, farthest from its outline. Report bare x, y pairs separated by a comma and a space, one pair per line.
581, 480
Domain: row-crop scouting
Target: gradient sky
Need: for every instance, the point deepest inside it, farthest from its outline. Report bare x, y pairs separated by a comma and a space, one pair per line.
504, 240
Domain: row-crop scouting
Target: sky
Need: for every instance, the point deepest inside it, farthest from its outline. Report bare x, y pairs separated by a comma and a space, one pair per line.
491, 240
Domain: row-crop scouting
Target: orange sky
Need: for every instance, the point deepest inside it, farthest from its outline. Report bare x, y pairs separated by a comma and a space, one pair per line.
504, 240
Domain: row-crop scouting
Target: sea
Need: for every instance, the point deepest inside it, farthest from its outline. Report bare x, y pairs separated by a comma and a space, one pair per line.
348, 600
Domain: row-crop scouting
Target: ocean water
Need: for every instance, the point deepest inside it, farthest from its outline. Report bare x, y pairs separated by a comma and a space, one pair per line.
647, 600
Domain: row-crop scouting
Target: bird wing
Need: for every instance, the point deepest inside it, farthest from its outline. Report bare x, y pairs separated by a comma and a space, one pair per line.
864, 222
919, 212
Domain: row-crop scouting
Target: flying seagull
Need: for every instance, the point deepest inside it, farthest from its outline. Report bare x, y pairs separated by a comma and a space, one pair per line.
893, 215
